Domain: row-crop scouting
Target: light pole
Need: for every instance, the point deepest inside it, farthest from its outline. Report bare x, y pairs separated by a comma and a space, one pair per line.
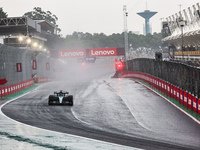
182, 24
125, 34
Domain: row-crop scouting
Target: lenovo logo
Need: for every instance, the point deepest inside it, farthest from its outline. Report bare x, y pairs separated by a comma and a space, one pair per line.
102, 52
72, 53
97, 53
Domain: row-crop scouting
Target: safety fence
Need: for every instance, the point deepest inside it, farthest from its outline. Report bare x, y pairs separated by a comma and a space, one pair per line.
184, 76
185, 98
21, 68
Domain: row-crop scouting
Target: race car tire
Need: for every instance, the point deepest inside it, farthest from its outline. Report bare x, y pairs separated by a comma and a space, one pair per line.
65, 100
51, 97
50, 102
70, 100
70, 97
71, 103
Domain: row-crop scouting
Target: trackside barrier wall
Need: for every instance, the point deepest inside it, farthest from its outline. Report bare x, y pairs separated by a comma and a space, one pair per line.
14, 88
183, 97
179, 74
16, 66
41, 62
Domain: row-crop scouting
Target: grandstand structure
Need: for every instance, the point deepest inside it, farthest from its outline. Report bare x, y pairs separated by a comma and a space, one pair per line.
181, 33
23, 32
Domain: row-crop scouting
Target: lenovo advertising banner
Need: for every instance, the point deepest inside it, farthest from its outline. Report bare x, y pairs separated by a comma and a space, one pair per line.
99, 52
72, 53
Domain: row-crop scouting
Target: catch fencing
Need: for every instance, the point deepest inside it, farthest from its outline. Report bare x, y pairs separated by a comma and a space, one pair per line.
176, 80
22, 68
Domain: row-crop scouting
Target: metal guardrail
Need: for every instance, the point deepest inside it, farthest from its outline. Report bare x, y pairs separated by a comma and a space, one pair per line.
181, 75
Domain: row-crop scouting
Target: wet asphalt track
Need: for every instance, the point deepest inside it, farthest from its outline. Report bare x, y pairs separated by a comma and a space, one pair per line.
102, 112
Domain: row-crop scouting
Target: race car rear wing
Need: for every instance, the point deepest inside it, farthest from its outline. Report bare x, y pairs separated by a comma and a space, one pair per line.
61, 92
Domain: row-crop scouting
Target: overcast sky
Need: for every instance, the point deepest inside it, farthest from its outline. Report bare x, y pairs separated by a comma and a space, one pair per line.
96, 16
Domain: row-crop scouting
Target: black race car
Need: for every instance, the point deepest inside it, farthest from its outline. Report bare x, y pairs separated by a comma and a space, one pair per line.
61, 98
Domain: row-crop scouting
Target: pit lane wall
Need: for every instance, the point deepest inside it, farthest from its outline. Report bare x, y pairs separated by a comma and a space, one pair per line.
185, 98
22, 68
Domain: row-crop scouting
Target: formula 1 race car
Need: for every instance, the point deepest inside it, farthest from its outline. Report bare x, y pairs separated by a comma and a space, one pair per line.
61, 98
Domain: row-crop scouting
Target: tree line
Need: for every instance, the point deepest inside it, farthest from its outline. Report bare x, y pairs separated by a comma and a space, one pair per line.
80, 40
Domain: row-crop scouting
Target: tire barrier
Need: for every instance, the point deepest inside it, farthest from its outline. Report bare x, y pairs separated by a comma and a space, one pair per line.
184, 98
14, 88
